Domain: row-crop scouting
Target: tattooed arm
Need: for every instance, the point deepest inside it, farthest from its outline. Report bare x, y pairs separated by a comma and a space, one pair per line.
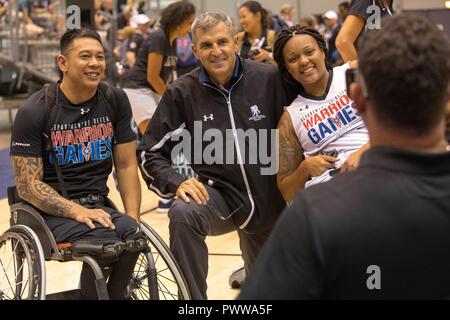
295, 170
290, 157
29, 173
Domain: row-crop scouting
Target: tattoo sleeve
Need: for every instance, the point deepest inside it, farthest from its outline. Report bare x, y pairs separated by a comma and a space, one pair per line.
28, 174
291, 153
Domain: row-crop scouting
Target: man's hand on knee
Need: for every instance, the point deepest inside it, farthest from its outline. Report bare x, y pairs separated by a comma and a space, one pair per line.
195, 189
89, 216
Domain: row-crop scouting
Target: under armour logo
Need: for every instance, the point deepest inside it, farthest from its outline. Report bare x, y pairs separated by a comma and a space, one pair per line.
84, 110
210, 117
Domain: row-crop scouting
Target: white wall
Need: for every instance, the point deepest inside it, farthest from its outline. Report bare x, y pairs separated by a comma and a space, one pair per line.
275, 5
420, 4
302, 7
228, 7
308, 7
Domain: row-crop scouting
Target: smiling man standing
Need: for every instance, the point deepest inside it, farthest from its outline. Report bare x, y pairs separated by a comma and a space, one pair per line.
77, 119
226, 94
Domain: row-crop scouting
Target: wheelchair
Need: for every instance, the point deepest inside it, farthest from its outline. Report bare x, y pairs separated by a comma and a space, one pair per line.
28, 243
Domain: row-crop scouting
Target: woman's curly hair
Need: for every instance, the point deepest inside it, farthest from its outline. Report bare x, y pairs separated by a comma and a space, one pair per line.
175, 14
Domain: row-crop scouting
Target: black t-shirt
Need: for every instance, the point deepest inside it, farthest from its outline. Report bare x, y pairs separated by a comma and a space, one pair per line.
392, 214
135, 42
83, 136
157, 41
359, 8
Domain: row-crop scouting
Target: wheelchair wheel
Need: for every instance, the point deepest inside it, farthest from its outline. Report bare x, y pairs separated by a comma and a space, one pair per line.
171, 282
38, 259
21, 261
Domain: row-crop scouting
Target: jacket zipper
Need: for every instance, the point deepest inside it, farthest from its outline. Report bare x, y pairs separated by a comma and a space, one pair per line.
238, 149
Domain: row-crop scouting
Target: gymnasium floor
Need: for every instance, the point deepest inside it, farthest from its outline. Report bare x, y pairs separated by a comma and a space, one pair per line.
224, 250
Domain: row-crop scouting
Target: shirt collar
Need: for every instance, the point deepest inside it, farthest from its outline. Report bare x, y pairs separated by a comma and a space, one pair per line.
401, 160
204, 76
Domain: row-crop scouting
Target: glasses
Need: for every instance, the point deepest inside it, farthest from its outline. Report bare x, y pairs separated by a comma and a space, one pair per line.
354, 76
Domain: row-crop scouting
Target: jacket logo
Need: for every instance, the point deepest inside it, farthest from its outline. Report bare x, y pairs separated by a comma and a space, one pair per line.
206, 117
84, 110
256, 114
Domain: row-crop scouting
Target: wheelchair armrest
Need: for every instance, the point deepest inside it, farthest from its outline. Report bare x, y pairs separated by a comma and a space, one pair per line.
13, 195
97, 248
136, 245
136, 242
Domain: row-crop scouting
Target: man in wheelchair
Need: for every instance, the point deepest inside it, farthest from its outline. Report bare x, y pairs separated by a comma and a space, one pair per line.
64, 141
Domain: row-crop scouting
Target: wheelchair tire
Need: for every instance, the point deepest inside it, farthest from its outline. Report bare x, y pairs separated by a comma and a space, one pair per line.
171, 282
21, 266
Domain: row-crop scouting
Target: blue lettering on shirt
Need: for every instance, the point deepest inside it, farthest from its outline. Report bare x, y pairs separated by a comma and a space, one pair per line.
332, 124
80, 153
314, 136
71, 155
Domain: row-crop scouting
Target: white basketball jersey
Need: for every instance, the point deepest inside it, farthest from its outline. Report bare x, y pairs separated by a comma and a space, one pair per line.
330, 125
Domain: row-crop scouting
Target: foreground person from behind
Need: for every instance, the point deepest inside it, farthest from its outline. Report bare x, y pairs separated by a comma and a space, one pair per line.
380, 232
85, 137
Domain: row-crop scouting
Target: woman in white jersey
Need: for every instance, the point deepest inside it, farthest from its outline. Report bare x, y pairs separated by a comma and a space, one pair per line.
320, 132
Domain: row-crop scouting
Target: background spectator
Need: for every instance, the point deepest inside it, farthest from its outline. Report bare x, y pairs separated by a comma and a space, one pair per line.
256, 41
287, 14
186, 61
140, 34
330, 19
